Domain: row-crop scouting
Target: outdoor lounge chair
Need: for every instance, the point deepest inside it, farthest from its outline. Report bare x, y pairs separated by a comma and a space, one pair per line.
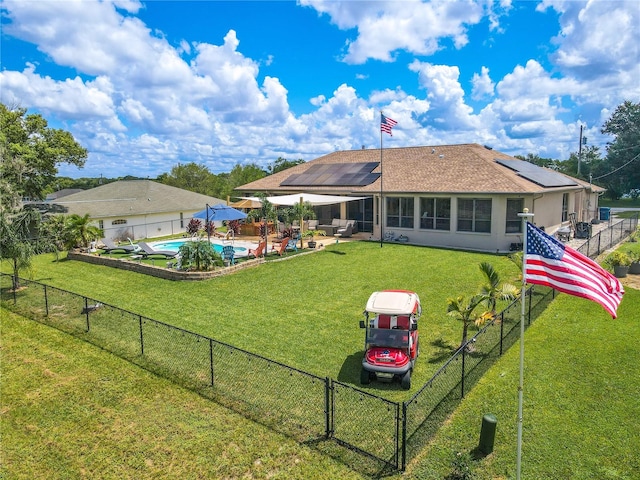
259, 251
228, 254
110, 246
345, 231
148, 251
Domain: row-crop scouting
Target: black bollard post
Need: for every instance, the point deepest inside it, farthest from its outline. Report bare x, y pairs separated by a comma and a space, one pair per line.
487, 433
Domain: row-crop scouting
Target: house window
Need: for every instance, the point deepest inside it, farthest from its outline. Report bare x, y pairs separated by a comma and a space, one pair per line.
435, 213
400, 212
101, 224
474, 215
514, 223
565, 207
181, 220
121, 221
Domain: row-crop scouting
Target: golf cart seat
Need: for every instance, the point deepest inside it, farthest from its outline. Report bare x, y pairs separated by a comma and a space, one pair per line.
401, 322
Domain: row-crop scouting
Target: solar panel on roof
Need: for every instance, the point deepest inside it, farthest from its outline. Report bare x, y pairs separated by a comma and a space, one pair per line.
536, 174
335, 174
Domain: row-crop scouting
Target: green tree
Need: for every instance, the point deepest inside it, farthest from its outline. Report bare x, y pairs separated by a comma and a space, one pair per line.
54, 229
30, 152
190, 176
464, 309
494, 290
16, 240
620, 173
243, 174
537, 160
200, 254
282, 164
80, 232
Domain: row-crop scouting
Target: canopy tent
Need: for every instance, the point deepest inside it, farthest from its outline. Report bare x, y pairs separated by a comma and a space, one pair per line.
245, 204
313, 198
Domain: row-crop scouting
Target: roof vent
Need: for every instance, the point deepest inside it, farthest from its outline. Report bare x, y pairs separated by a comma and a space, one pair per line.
441, 156
433, 150
488, 147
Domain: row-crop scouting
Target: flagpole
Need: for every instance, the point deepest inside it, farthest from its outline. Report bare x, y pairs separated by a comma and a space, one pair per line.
381, 202
525, 215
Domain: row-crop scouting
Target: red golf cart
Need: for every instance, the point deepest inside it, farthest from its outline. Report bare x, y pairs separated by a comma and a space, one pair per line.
391, 339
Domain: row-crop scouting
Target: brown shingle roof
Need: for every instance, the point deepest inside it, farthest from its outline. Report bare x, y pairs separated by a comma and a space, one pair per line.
438, 169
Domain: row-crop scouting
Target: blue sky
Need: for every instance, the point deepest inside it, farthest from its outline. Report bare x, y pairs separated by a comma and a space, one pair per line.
147, 85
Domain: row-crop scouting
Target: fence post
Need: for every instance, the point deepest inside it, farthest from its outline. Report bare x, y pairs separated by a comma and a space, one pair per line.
46, 301
464, 348
328, 408
404, 436
211, 359
501, 330
86, 311
141, 337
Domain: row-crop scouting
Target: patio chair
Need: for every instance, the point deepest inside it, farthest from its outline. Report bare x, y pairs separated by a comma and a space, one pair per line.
292, 244
110, 246
345, 231
148, 251
313, 225
228, 254
259, 251
280, 248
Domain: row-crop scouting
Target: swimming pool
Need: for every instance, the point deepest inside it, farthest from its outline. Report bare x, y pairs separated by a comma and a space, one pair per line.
240, 247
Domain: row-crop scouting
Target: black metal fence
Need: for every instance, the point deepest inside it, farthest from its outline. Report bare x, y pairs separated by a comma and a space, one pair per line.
302, 405
608, 237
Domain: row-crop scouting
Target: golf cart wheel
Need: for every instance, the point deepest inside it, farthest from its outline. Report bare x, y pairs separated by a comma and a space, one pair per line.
365, 379
406, 380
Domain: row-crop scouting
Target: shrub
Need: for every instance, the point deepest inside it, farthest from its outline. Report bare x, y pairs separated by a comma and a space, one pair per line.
194, 226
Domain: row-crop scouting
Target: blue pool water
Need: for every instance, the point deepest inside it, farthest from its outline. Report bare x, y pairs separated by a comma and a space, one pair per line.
174, 246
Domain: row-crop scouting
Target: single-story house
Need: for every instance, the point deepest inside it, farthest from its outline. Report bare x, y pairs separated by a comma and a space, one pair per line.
137, 208
457, 196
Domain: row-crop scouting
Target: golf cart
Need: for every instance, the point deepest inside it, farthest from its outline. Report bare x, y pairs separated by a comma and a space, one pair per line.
391, 338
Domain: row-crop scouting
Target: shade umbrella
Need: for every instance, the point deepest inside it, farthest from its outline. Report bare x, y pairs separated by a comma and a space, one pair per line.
220, 212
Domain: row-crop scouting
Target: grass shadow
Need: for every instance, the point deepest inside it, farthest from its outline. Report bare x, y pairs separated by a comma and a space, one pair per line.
443, 352
350, 370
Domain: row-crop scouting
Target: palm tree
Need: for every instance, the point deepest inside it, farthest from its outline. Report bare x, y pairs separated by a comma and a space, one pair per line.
463, 310
80, 232
494, 290
15, 240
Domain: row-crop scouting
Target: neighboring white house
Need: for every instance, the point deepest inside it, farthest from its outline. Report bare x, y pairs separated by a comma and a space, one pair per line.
458, 196
137, 208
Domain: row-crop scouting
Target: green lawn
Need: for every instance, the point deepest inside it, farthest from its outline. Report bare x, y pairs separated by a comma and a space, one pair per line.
581, 408
581, 381
70, 410
303, 312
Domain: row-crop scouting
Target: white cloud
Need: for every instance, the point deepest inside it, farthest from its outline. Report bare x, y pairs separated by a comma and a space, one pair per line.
483, 86
599, 43
445, 95
385, 27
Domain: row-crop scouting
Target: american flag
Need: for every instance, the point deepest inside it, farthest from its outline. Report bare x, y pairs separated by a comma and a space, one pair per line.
549, 262
386, 124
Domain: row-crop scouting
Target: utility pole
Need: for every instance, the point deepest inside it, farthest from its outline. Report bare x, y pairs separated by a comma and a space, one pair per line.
580, 151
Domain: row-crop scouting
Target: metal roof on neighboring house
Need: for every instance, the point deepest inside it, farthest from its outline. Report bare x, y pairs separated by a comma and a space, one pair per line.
465, 168
134, 197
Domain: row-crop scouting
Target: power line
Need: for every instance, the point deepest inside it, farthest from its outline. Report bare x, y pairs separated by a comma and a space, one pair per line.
619, 168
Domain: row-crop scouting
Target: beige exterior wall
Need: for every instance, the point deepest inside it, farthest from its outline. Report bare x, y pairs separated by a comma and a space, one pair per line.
547, 209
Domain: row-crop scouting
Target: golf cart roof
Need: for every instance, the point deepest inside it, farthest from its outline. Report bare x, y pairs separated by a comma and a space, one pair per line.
393, 302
